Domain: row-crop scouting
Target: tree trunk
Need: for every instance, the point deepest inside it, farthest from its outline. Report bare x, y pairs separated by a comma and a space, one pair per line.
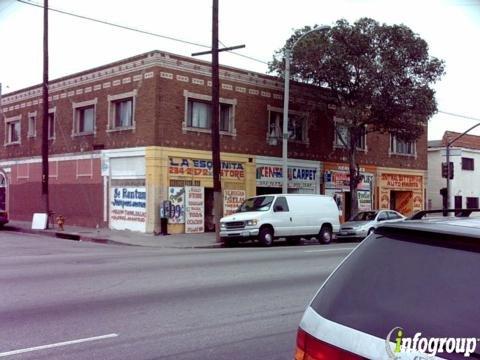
354, 177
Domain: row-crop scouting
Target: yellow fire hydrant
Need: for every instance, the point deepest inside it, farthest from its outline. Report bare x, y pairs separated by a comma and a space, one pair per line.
60, 221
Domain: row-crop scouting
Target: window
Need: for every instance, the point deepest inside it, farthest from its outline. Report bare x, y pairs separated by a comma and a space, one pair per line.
393, 215
121, 111
297, 126
467, 164
12, 130
280, 205
32, 125
401, 147
458, 202
472, 202
343, 132
85, 119
199, 115
51, 125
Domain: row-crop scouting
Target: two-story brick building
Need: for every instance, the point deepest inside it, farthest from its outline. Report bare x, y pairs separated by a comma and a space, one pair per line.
128, 136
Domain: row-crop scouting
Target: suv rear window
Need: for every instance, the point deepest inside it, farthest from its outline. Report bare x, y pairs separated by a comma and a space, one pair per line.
392, 281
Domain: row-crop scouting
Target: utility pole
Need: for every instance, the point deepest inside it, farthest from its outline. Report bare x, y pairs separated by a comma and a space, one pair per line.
45, 113
217, 184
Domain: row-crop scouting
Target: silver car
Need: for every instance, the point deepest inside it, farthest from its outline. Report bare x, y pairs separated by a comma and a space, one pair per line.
365, 222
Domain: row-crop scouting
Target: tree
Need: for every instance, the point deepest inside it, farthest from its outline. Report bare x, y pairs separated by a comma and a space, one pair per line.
379, 75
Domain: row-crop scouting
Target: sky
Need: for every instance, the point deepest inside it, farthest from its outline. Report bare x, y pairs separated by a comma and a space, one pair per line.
450, 27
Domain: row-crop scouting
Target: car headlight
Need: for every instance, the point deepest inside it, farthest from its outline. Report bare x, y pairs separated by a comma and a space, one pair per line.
251, 222
223, 225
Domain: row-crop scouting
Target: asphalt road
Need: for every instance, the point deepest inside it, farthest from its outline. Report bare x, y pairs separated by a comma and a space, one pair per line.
121, 302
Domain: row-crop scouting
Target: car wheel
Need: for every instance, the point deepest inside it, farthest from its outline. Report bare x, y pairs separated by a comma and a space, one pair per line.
266, 236
325, 235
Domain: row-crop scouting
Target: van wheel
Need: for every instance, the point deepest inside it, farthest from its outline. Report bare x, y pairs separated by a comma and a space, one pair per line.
266, 236
325, 235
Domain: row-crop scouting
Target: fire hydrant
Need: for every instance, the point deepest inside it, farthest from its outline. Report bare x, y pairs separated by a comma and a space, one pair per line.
60, 221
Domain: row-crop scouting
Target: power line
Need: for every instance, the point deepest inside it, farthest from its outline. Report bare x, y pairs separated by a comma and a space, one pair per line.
458, 115
135, 29
115, 25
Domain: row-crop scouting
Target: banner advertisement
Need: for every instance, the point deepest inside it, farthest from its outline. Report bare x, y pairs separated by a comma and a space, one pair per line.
176, 195
364, 201
232, 199
128, 208
298, 177
194, 209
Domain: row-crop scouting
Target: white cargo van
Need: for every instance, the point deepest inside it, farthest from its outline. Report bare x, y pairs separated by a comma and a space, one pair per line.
290, 216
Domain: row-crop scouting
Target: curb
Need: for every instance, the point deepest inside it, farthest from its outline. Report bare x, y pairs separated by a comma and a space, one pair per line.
104, 241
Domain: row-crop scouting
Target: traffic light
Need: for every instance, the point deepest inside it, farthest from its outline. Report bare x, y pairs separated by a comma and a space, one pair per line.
445, 170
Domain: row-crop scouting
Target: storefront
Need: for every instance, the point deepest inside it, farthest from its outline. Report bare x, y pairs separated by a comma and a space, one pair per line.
401, 190
336, 183
303, 176
125, 195
182, 183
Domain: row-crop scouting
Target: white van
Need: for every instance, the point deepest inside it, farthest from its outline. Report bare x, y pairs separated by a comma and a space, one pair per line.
289, 216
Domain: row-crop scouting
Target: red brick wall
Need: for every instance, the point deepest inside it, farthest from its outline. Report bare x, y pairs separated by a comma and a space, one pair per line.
75, 191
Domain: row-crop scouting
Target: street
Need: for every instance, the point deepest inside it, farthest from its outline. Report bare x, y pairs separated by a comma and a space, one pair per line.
63, 299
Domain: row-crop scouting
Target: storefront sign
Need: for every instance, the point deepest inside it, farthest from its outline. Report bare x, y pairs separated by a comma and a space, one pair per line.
298, 177
194, 209
232, 199
128, 208
176, 195
204, 168
364, 200
341, 180
397, 181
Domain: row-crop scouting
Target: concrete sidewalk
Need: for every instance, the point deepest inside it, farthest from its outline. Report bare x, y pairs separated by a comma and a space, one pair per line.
120, 237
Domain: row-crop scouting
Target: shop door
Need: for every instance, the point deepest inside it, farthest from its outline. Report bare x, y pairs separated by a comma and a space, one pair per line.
209, 211
401, 201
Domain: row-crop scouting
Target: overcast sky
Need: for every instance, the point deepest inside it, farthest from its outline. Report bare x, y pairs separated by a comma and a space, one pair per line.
451, 28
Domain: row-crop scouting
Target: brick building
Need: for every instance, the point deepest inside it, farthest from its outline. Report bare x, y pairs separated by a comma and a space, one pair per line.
129, 136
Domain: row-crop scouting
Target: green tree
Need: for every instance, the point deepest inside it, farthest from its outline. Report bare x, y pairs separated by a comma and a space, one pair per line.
379, 75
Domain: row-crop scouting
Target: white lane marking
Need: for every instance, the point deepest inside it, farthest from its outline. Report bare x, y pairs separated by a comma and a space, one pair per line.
71, 342
324, 250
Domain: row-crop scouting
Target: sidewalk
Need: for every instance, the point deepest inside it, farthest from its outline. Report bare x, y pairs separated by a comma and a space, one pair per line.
120, 237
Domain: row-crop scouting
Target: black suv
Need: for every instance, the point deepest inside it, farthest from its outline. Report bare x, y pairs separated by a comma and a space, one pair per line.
409, 290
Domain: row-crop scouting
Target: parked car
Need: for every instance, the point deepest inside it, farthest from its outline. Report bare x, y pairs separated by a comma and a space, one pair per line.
365, 222
291, 216
3, 217
410, 279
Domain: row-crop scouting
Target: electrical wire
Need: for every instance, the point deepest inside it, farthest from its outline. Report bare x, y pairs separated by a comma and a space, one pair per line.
135, 29
458, 115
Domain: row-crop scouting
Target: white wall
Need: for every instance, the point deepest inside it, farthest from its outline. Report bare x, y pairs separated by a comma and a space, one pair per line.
466, 183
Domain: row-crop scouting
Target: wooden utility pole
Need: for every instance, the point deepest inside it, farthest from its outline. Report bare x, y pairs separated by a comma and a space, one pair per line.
45, 196
217, 184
